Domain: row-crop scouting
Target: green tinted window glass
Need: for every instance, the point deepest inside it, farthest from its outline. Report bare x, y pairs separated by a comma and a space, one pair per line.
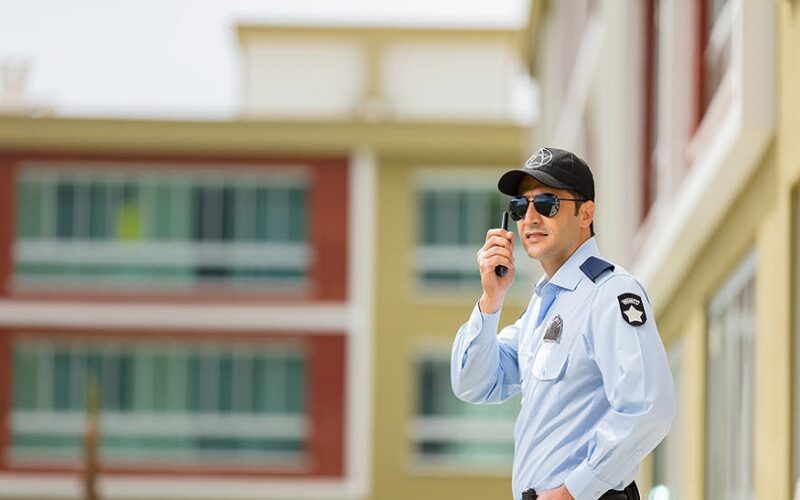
458, 217
229, 196
142, 388
129, 217
161, 381
125, 368
94, 367
276, 385
244, 213
26, 379
194, 392
126, 380
260, 385
261, 214
111, 381
225, 383
208, 201
426, 383
447, 218
295, 385
178, 386
29, 209
114, 202
62, 378
151, 209
98, 213
427, 219
65, 212
436, 403
476, 217
298, 214
163, 212
183, 212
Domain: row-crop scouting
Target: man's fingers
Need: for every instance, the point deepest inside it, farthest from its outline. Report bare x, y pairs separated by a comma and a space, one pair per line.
490, 259
497, 260
501, 233
497, 241
491, 252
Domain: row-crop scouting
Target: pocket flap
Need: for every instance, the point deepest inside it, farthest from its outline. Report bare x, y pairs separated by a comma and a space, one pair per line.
549, 361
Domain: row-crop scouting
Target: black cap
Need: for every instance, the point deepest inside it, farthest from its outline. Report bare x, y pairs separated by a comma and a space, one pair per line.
552, 167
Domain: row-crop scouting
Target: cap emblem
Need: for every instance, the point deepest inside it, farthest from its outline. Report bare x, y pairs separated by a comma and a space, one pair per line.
541, 158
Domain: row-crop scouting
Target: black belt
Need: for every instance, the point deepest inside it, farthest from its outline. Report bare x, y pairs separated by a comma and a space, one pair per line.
631, 492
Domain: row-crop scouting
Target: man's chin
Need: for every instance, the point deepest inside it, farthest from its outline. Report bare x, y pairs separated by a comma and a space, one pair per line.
535, 251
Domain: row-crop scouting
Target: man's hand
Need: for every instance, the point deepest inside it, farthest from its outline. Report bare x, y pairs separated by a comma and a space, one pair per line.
560, 493
498, 250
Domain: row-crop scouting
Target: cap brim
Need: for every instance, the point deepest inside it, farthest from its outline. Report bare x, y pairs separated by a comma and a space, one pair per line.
509, 181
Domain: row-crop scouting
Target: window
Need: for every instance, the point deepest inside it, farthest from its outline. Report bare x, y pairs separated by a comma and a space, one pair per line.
649, 189
668, 457
717, 19
449, 433
167, 229
729, 412
452, 220
231, 404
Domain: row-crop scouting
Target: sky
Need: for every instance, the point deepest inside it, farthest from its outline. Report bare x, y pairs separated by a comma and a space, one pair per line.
179, 58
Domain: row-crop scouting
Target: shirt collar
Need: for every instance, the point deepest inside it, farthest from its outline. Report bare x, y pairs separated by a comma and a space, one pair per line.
569, 274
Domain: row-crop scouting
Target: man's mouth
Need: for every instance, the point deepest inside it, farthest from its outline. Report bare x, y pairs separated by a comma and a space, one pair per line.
535, 235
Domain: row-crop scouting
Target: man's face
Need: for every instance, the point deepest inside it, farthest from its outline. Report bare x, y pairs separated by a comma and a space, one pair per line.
549, 238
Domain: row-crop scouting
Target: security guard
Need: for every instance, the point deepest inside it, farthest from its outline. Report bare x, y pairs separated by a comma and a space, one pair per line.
597, 392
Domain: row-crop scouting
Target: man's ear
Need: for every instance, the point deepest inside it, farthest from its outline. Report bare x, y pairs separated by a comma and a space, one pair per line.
586, 213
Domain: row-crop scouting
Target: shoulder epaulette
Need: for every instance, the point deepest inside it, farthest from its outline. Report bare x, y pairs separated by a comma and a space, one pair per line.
594, 267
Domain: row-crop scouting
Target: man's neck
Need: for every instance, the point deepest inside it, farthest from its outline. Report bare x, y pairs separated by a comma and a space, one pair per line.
552, 266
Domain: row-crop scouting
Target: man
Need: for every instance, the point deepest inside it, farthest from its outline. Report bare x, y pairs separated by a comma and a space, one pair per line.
597, 392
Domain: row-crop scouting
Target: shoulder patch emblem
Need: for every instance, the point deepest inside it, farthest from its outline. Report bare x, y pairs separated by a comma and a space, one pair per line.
553, 333
632, 309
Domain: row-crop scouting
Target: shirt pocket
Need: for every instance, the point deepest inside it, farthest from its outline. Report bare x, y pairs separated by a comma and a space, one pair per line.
549, 361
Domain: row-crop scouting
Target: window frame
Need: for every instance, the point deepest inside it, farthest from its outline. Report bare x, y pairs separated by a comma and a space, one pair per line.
325, 404
738, 281
328, 225
460, 429
462, 257
185, 252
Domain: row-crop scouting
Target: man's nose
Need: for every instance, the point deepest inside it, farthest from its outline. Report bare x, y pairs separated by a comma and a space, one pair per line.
532, 216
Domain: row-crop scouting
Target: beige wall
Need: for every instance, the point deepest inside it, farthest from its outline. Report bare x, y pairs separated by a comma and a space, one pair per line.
762, 218
749, 226
404, 323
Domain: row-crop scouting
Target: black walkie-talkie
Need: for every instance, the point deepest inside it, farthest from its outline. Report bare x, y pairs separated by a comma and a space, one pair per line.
502, 270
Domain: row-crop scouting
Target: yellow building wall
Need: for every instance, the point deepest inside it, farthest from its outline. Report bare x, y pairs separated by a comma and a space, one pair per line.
762, 218
405, 321
785, 263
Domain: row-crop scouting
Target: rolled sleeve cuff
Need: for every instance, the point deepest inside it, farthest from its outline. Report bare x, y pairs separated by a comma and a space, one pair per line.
482, 328
583, 483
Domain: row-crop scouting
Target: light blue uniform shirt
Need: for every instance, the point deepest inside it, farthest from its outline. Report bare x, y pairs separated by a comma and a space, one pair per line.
594, 402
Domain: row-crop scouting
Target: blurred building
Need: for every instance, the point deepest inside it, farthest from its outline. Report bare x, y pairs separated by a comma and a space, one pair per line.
688, 111
267, 304
181, 269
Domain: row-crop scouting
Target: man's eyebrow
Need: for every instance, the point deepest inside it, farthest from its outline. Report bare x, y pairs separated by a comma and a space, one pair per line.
525, 193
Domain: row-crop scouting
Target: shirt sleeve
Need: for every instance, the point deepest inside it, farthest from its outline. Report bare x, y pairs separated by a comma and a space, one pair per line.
483, 364
637, 383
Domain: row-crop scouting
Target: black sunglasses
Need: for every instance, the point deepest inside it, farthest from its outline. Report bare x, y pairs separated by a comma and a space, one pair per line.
546, 204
